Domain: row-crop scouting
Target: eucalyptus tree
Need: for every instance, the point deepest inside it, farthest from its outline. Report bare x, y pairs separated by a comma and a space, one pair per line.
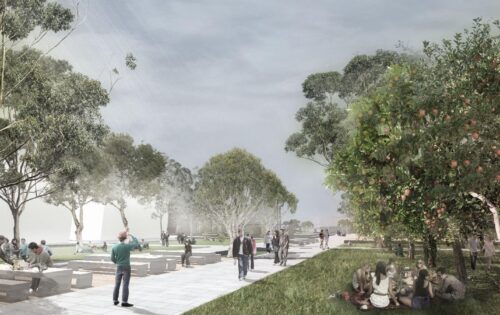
80, 186
56, 116
233, 188
173, 192
135, 172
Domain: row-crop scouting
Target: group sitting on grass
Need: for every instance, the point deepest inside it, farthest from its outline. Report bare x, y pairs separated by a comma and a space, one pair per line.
412, 288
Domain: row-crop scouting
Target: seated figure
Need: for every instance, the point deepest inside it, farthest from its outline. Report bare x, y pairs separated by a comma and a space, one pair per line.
451, 289
361, 279
422, 292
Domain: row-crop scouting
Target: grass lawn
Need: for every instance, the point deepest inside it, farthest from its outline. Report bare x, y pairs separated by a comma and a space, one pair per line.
304, 288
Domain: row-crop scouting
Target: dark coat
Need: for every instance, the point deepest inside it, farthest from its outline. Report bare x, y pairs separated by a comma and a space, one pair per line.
247, 246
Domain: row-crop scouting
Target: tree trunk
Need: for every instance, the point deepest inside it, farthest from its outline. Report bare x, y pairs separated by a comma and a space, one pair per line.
493, 210
411, 249
432, 251
16, 216
387, 241
124, 218
77, 222
459, 260
425, 247
232, 235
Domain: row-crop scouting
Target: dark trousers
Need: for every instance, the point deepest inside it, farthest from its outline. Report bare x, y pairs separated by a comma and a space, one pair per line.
276, 257
185, 257
122, 274
242, 266
473, 260
251, 262
35, 283
268, 247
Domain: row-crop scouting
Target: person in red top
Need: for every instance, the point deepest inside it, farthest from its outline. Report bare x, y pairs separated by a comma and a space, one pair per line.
254, 252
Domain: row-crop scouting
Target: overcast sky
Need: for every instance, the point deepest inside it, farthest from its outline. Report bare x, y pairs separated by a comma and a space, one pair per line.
213, 75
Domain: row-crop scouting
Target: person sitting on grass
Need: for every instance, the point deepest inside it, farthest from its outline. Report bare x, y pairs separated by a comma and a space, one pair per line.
361, 279
451, 289
420, 265
382, 288
422, 292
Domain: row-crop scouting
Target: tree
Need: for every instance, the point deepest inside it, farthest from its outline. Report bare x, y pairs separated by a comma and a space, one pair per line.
233, 188
293, 225
57, 118
83, 185
135, 172
175, 189
401, 166
307, 226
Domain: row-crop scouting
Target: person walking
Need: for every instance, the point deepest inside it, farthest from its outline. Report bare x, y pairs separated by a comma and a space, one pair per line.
166, 239
327, 238
46, 247
120, 255
254, 252
188, 252
276, 247
284, 244
321, 239
268, 240
39, 259
489, 251
242, 249
162, 238
473, 251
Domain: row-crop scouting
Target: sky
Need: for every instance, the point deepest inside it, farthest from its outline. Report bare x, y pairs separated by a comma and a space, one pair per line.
214, 75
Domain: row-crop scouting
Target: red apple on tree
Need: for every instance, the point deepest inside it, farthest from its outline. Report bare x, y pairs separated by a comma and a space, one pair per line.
479, 169
453, 164
421, 113
466, 163
475, 135
407, 192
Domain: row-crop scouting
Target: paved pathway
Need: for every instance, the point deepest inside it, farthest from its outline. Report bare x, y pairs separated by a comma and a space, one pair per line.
170, 293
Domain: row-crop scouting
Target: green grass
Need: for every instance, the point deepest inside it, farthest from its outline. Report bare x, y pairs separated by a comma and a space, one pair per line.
304, 288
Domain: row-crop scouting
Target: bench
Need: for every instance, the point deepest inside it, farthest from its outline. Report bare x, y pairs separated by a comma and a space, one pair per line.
83, 279
202, 258
139, 269
13, 290
157, 264
52, 281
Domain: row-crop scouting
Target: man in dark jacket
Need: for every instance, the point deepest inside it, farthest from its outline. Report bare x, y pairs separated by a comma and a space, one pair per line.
242, 249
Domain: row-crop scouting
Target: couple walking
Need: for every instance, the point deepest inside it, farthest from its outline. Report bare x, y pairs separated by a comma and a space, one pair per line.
279, 244
243, 249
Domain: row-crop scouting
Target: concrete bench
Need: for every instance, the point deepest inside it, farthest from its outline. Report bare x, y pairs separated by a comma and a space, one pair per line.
82, 279
157, 264
52, 281
13, 290
139, 269
206, 258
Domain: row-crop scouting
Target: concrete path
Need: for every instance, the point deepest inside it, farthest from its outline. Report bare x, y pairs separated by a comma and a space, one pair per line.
172, 293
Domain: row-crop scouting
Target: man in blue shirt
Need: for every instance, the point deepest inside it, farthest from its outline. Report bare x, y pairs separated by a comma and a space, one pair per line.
120, 255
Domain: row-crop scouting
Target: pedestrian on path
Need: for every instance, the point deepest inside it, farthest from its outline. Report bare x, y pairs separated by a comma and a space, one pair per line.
120, 255
188, 252
276, 246
268, 240
162, 237
321, 239
242, 249
327, 238
284, 244
254, 252
473, 251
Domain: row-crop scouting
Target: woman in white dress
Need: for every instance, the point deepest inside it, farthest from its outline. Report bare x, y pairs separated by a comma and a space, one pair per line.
382, 288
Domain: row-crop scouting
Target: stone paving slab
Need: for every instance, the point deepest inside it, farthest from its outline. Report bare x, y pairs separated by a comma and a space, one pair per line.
165, 294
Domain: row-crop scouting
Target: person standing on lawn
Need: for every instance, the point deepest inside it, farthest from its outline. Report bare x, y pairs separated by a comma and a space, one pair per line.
473, 251
120, 255
327, 238
242, 249
489, 251
276, 246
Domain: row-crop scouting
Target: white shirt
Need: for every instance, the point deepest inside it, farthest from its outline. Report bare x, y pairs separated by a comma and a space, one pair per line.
241, 245
473, 244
